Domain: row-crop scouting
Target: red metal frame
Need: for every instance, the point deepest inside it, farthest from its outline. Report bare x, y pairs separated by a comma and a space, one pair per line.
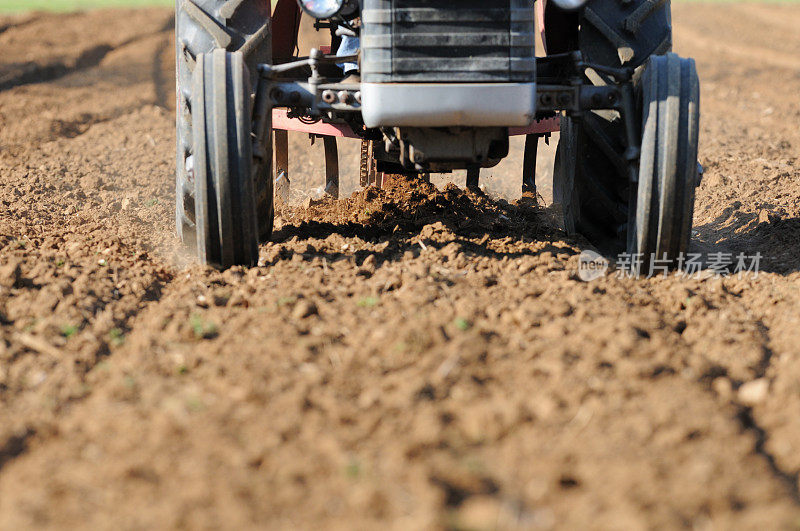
285, 27
282, 122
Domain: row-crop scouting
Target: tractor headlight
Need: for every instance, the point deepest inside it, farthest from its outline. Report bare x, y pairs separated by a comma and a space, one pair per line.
570, 5
322, 9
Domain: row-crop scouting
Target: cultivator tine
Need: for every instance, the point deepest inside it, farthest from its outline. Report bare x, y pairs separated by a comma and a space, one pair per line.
529, 165
282, 181
473, 178
375, 177
364, 166
331, 166
386, 179
369, 172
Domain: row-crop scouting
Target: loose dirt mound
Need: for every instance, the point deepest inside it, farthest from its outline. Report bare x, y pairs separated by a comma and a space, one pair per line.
410, 204
408, 358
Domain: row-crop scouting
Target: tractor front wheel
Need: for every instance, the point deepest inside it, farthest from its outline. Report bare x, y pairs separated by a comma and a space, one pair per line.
661, 212
591, 177
203, 26
225, 198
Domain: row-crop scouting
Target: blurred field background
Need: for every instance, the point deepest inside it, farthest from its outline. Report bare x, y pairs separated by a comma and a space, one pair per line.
501, 181
12, 6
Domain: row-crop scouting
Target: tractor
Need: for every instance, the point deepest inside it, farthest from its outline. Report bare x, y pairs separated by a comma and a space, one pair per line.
437, 86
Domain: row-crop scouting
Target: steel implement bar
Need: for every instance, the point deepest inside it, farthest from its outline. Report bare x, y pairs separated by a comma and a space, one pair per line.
473, 177
281, 177
331, 166
529, 164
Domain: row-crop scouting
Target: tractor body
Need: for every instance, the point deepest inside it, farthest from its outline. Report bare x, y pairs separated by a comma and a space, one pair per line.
441, 86
464, 64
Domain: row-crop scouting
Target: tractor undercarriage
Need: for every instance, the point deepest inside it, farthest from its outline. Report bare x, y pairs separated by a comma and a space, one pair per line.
442, 87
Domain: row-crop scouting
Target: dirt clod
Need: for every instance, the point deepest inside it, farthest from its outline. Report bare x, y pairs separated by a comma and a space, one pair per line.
753, 393
303, 309
11, 274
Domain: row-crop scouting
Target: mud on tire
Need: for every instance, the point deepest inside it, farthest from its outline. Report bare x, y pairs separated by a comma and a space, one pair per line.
201, 27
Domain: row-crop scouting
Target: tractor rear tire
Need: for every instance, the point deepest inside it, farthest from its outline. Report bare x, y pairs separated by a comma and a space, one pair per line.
201, 27
613, 33
225, 206
661, 216
564, 185
621, 33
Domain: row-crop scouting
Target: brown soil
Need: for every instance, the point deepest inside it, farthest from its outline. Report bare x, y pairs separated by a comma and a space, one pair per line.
411, 358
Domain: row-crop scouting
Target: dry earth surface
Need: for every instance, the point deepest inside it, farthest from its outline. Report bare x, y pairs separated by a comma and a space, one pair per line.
412, 358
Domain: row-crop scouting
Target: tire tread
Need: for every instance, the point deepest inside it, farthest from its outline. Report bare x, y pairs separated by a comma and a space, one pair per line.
668, 164
201, 27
